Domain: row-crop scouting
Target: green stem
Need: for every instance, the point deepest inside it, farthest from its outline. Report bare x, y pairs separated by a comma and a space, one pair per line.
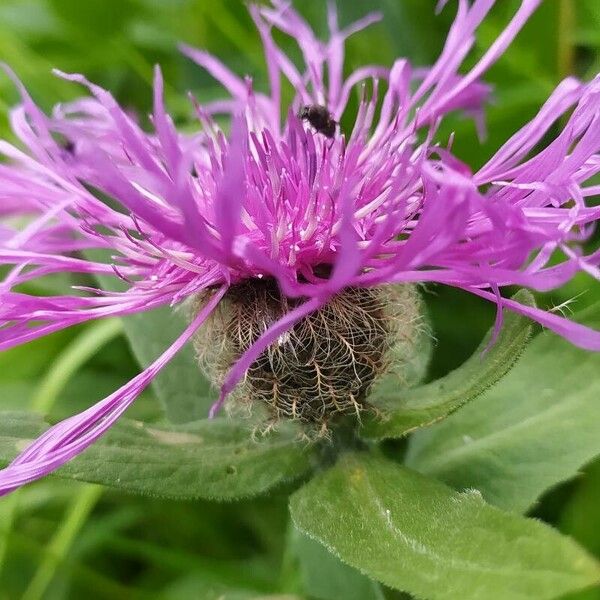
85, 576
56, 551
290, 579
566, 27
8, 510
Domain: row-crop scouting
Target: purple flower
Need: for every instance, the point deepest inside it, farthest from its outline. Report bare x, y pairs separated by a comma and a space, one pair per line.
193, 215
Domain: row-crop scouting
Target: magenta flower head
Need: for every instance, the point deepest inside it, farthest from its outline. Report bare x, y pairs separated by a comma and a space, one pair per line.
294, 245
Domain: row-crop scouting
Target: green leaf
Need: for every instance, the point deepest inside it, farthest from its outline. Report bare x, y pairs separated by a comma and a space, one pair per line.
326, 577
589, 594
432, 402
180, 386
580, 518
194, 586
525, 435
420, 536
218, 459
222, 579
95, 17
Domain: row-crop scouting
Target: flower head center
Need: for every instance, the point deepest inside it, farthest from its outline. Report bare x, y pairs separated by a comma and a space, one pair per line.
326, 364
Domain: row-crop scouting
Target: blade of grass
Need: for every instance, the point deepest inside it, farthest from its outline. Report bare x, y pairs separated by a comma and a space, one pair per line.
75, 355
69, 361
76, 516
102, 586
7, 516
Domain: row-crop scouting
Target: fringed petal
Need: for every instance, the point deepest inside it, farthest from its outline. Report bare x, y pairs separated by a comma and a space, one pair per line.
64, 441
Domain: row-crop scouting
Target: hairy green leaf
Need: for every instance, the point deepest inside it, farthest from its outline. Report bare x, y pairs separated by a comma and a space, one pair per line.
420, 536
218, 459
531, 431
180, 386
424, 405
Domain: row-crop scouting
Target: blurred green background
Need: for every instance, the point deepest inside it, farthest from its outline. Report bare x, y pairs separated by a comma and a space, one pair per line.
63, 540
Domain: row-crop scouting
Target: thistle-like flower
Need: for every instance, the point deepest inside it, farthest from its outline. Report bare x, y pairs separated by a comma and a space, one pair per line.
288, 237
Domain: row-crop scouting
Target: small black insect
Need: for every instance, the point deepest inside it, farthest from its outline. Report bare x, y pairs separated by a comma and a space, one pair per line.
320, 118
